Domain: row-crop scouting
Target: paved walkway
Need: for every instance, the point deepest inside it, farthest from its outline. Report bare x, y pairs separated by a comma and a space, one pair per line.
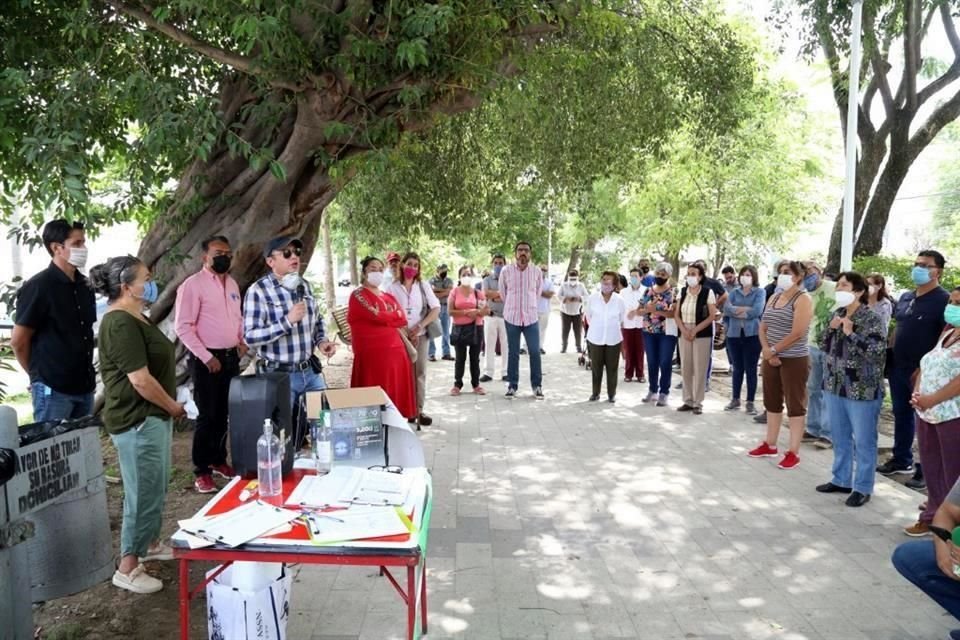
569, 519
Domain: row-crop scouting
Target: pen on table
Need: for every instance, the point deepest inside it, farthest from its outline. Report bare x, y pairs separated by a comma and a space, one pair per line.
248, 491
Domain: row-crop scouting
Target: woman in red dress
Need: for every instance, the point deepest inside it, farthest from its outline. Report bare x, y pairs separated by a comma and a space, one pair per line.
379, 355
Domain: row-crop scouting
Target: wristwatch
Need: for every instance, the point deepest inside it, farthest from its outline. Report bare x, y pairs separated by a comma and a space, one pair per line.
773, 351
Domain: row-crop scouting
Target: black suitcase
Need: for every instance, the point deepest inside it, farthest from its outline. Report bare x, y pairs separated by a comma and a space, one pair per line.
253, 399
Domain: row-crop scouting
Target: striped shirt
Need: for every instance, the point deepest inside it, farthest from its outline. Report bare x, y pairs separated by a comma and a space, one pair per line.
521, 290
779, 324
266, 328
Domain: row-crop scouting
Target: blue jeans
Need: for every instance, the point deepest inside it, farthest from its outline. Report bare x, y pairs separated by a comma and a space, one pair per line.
854, 427
445, 336
744, 353
53, 405
904, 427
817, 425
659, 348
531, 335
917, 562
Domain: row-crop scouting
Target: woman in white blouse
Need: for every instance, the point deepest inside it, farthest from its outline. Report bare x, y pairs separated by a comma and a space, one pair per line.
606, 312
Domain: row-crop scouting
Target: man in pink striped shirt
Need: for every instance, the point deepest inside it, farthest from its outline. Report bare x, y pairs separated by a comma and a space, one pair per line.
520, 287
209, 322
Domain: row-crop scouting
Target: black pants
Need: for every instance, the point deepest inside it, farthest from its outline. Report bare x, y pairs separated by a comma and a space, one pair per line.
568, 321
604, 357
461, 362
211, 392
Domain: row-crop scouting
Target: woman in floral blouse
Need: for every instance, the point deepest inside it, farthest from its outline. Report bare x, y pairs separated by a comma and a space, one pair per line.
659, 333
854, 350
936, 398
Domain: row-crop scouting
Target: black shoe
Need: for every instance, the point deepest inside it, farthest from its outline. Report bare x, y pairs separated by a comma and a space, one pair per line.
563, 350
594, 397
504, 379
543, 352
523, 352
761, 418
685, 407
891, 467
698, 411
612, 399
538, 393
832, 488
448, 358
425, 420
511, 393
857, 499
485, 378
432, 358
679, 386
918, 484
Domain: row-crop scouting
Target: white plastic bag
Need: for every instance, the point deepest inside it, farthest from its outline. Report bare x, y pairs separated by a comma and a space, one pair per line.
249, 603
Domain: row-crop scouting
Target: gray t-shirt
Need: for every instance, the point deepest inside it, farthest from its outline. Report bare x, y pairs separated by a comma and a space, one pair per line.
490, 283
954, 496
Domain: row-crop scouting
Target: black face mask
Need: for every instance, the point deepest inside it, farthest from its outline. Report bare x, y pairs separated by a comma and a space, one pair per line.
660, 281
221, 264
443, 274
644, 270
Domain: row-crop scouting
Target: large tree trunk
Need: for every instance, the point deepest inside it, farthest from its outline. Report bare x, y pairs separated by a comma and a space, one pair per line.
226, 195
867, 168
352, 256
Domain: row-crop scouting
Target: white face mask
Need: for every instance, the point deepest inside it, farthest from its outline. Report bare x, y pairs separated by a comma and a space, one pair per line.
785, 281
873, 290
78, 257
845, 298
692, 281
291, 281
468, 281
375, 278
746, 281
573, 280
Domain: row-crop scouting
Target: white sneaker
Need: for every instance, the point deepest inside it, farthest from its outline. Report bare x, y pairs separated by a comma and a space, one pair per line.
137, 581
159, 553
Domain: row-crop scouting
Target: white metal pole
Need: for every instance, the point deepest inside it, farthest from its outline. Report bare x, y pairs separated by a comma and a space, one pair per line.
853, 106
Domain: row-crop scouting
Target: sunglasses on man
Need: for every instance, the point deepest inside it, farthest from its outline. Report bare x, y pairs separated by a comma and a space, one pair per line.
286, 253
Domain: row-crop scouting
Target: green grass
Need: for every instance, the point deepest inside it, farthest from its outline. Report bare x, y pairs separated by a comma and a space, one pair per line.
68, 631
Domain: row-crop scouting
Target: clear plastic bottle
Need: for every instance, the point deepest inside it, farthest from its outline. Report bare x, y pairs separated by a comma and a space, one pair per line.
322, 443
268, 462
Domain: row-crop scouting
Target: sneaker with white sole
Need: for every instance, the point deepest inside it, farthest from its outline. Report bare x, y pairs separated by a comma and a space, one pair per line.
137, 581
161, 553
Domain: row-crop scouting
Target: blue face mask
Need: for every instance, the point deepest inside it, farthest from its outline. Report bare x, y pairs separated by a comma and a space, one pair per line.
952, 315
496, 270
920, 275
634, 281
811, 282
150, 292
649, 280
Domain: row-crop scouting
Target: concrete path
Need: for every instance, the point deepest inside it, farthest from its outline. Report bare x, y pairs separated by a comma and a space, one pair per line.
568, 519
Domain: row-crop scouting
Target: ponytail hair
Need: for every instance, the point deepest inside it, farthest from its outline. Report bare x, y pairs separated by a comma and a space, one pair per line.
108, 278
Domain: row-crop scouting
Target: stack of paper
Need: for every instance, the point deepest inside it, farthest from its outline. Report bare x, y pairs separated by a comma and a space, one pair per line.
238, 526
357, 523
344, 486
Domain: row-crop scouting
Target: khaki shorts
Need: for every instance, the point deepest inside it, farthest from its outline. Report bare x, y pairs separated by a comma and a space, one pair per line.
786, 383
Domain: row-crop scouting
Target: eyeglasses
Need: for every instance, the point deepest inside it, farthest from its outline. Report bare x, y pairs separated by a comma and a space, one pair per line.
286, 253
393, 468
924, 266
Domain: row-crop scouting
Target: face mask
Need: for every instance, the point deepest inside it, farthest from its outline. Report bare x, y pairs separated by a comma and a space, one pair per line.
644, 270
746, 281
291, 281
920, 275
496, 270
375, 278
606, 288
811, 282
78, 257
221, 264
573, 280
660, 281
785, 281
952, 315
692, 281
468, 281
648, 280
150, 292
443, 274
410, 273
845, 298
634, 281
873, 290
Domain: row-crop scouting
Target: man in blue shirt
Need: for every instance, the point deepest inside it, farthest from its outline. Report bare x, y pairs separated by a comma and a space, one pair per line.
919, 316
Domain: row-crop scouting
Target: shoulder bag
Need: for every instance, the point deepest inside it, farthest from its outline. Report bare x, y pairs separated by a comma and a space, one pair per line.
433, 329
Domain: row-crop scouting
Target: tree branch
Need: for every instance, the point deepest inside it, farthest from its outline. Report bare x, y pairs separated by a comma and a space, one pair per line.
880, 68
941, 117
950, 28
238, 62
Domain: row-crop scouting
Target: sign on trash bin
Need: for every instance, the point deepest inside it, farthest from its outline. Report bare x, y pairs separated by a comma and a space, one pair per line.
239, 608
48, 469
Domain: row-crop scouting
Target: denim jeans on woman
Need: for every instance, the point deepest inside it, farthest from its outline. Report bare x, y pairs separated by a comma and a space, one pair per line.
744, 354
854, 428
659, 348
